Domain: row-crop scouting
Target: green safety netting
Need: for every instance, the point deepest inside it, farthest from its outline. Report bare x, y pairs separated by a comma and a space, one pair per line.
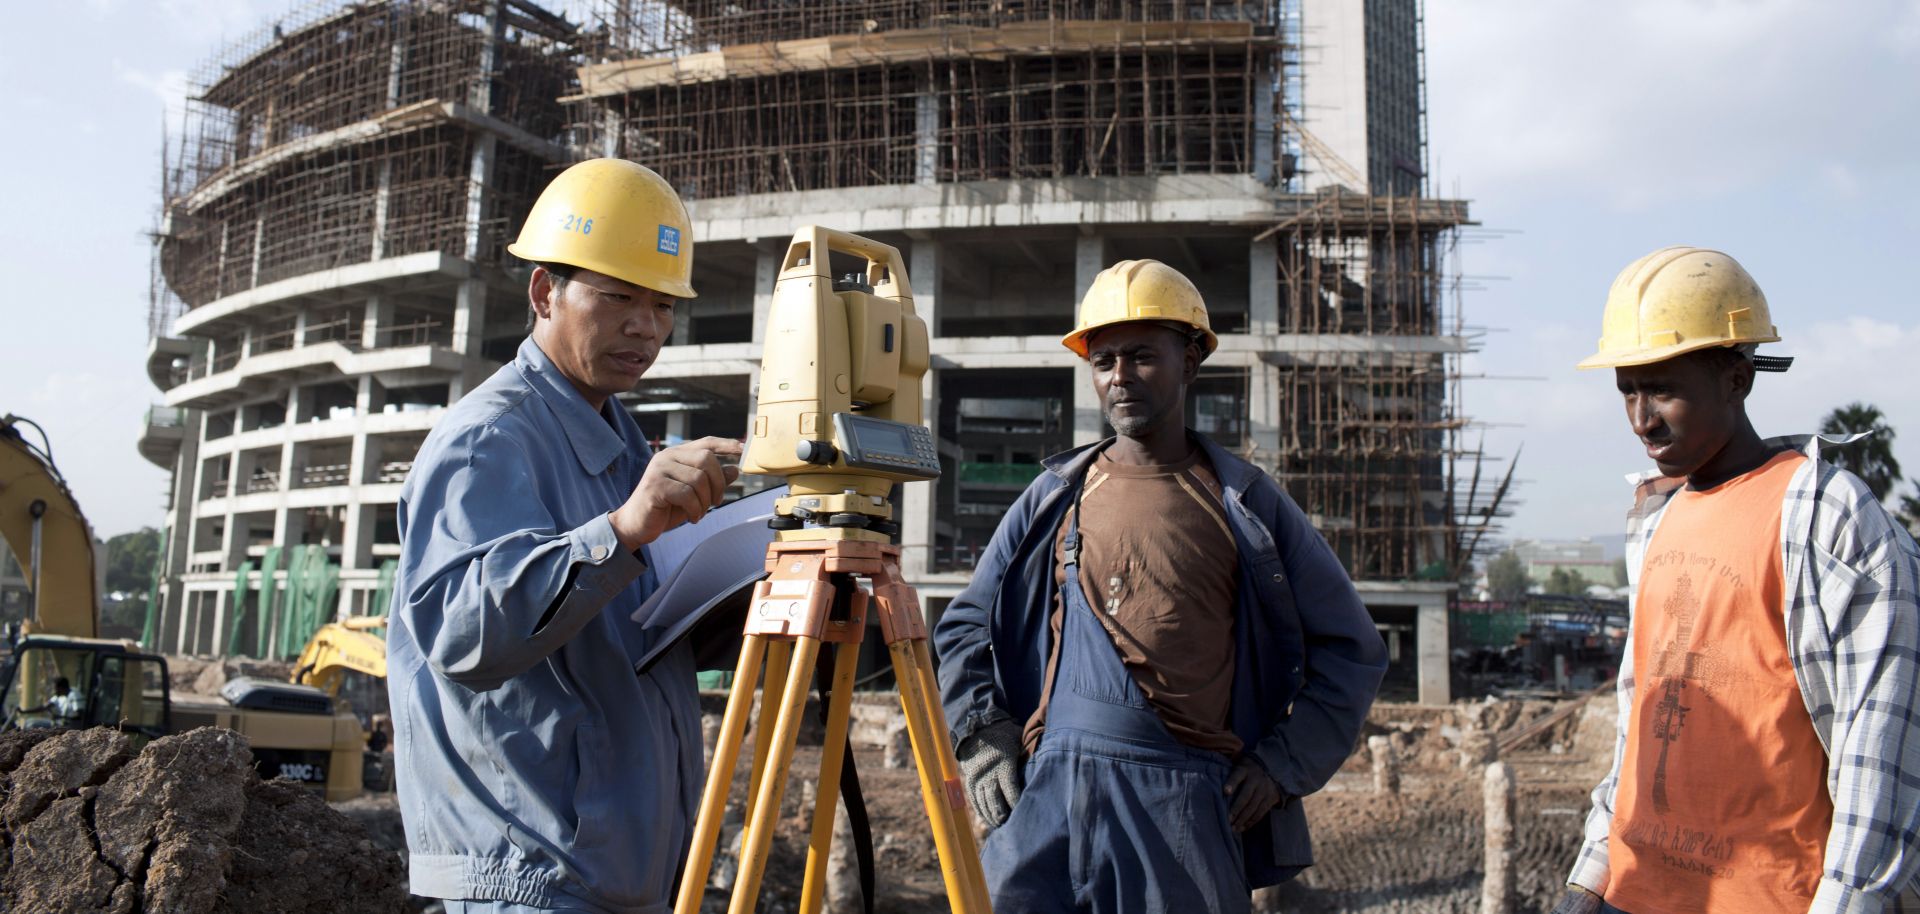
383, 593
269, 599
1003, 474
241, 585
150, 632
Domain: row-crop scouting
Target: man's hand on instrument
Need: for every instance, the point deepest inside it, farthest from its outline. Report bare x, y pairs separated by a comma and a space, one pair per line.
990, 762
1251, 793
680, 485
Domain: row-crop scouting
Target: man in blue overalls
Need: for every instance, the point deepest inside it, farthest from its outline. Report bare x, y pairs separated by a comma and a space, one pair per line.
1159, 632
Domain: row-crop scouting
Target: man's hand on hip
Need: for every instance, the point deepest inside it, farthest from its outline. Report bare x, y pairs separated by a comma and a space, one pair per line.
1251, 793
680, 485
990, 763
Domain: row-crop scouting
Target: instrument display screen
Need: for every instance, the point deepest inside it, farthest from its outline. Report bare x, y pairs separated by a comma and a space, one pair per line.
881, 444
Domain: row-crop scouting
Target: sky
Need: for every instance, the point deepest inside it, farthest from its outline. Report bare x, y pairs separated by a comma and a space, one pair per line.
1584, 135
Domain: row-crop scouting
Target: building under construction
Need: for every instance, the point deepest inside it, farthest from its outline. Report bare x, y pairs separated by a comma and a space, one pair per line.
330, 273
338, 200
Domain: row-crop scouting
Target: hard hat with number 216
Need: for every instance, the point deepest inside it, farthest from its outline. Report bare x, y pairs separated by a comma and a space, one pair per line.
615, 217
1141, 290
1677, 300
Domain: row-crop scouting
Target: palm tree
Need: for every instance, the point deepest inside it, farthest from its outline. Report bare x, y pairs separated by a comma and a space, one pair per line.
1871, 459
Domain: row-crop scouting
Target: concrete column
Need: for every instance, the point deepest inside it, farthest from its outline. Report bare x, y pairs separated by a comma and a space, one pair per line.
926, 134
380, 197
206, 633
376, 328
480, 169
1431, 631
1263, 287
469, 316
189, 613
682, 327
1496, 892
290, 463
766, 271
677, 423
371, 398
356, 547
1263, 412
1264, 138
1089, 258
180, 524
919, 510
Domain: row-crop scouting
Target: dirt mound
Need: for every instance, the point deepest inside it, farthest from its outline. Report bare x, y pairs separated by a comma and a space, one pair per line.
183, 826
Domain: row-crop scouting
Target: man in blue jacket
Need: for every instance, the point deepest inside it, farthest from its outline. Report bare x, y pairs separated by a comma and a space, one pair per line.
536, 771
1158, 633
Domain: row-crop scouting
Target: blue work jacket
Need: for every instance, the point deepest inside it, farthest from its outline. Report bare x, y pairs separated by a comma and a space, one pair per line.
533, 765
1306, 667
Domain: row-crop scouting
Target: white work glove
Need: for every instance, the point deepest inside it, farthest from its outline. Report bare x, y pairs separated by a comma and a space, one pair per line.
990, 761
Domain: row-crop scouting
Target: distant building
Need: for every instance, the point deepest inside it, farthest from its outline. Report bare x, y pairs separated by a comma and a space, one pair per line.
1581, 557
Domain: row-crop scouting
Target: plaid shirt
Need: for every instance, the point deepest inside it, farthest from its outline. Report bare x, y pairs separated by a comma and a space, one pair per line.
1853, 628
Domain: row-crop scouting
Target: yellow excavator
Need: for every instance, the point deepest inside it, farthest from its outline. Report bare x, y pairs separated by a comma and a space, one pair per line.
59, 673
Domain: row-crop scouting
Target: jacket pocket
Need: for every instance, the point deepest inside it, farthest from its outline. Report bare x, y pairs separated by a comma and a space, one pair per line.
596, 815
1835, 583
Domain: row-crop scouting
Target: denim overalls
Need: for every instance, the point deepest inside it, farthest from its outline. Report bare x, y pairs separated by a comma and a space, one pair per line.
1117, 815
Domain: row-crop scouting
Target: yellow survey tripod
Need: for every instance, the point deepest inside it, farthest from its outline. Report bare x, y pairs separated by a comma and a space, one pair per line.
839, 415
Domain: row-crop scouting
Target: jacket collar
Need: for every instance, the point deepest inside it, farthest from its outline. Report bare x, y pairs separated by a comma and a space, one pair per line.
1235, 474
594, 440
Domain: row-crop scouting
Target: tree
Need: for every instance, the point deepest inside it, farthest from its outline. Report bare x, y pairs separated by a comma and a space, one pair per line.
1871, 459
1909, 512
1620, 572
1507, 577
130, 561
1566, 583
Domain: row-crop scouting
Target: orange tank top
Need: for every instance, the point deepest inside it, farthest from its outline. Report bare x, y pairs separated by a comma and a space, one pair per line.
1722, 805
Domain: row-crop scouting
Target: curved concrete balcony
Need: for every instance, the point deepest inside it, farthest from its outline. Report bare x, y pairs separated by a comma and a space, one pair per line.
342, 429
160, 435
372, 493
264, 373
393, 275
162, 354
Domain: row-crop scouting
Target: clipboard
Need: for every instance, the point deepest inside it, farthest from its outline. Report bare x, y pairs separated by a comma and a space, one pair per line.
707, 571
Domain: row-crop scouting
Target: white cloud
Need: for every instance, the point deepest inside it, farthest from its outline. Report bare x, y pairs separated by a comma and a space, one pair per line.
171, 87
1645, 102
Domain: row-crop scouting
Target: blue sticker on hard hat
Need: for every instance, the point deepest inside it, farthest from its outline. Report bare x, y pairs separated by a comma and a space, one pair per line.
669, 240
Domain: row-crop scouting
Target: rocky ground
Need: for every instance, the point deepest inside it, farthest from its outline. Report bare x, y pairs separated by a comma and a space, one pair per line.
93, 823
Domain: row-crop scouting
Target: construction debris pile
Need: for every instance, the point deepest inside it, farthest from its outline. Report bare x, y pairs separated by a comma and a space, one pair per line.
93, 824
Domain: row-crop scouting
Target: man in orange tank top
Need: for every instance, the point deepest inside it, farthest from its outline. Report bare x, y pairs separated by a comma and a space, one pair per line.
1768, 752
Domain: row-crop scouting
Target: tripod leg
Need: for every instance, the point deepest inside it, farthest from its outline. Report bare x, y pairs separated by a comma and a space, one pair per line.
726, 756
964, 894
832, 753
779, 654
772, 780
966, 846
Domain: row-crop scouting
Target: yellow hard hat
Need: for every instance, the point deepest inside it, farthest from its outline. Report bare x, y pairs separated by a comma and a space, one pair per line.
615, 217
1140, 290
1676, 300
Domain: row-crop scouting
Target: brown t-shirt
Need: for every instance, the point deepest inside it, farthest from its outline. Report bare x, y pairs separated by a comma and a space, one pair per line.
1158, 566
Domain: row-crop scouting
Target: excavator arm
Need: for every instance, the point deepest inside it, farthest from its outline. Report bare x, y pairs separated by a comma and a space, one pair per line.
49, 536
340, 647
